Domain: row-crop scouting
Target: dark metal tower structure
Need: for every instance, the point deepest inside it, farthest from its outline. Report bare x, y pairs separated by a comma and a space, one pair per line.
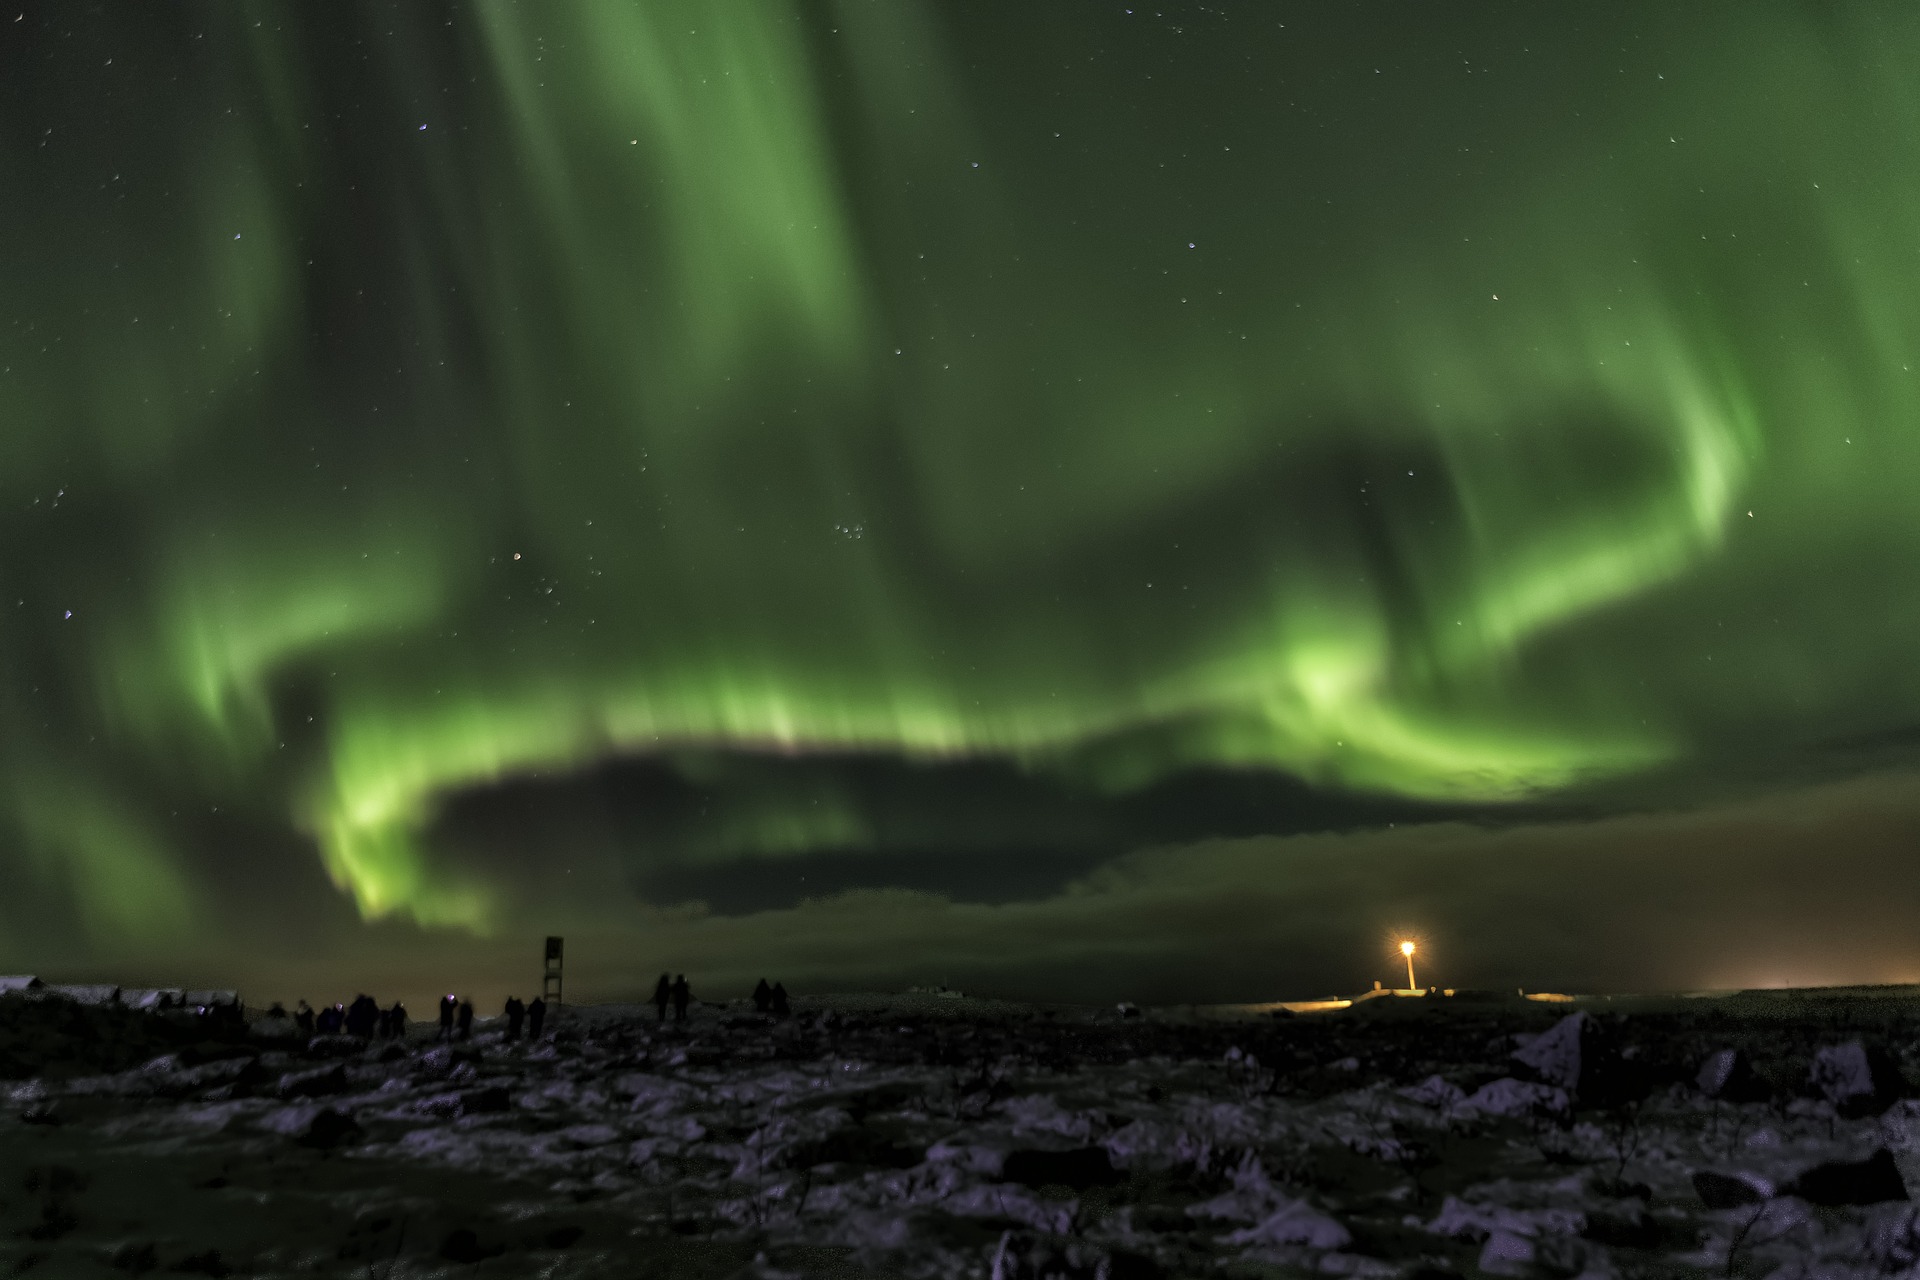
550, 979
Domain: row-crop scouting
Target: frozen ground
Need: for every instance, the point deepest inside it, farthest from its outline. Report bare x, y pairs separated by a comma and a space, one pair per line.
910, 1137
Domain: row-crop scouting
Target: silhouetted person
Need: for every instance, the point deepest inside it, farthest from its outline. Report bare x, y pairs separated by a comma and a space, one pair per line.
536, 1017
303, 1019
762, 996
361, 1016
331, 1019
778, 1001
447, 1006
682, 993
465, 1019
397, 1019
516, 1014
663, 995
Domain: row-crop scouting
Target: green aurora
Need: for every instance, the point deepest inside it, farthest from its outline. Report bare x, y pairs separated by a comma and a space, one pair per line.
1471, 410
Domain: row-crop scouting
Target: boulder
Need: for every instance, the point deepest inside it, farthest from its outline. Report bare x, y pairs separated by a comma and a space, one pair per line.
487, 1101
319, 1083
463, 1247
1507, 1254
1623, 1227
1295, 1222
1575, 1055
1730, 1190
1857, 1079
1558, 1057
1079, 1168
1507, 1097
329, 1129
858, 1145
1727, 1074
335, 1047
1874, 1180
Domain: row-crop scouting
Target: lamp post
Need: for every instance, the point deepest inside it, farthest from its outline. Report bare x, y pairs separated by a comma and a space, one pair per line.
1406, 949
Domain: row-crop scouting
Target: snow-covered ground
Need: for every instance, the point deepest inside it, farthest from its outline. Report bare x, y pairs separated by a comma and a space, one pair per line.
909, 1136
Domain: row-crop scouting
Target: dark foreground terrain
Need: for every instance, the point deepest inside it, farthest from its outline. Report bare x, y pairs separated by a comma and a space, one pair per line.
916, 1136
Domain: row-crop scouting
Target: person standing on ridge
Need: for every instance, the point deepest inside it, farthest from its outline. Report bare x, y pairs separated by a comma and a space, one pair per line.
682, 993
361, 1016
762, 996
516, 1014
447, 1006
465, 1019
536, 1017
662, 995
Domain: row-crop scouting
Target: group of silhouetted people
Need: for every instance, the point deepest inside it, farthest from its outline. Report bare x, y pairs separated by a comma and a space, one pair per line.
771, 999
533, 1016
676, 992
363, 1018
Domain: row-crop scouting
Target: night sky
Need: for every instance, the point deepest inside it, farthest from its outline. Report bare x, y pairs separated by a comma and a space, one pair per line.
1057, 499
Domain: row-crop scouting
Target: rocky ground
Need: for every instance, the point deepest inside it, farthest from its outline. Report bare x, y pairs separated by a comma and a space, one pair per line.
912, 1136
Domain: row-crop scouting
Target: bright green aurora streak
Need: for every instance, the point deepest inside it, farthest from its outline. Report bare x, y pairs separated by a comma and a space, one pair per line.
417, 401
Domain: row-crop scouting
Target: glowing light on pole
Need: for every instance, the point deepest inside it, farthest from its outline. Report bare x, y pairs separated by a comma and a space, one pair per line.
1406, 949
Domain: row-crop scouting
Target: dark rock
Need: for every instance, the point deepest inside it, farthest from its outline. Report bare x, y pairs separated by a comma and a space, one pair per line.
1577, 1056
335, 1047
1729, 1190
1728, 1075
1631, 1227
329, 1129
857, 1146
1857, 1079
563, 1237
1079, 1168
1558, 1056
464, 1247
1621, 1189
1125, 1265
1874, 1180
487, 1101
321, 1083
